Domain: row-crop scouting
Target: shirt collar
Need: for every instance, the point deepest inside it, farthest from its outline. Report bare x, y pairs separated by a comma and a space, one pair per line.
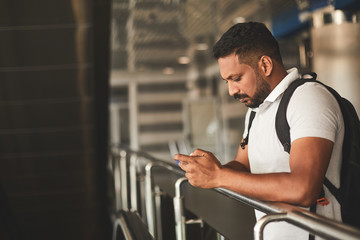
292, 75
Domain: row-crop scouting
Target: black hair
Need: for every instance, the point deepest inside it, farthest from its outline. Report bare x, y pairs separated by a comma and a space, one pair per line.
249, 41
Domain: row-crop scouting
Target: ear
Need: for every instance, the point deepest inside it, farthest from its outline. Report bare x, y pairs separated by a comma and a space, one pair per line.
266, 65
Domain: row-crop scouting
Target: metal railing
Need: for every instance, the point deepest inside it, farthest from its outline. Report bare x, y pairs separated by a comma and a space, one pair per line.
141, 168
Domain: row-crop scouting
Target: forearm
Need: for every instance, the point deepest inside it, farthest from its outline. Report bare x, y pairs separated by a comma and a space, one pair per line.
284, 187
301, 186
235, 165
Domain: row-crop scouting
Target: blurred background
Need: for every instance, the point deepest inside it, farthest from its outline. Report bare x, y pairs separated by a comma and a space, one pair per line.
79, 76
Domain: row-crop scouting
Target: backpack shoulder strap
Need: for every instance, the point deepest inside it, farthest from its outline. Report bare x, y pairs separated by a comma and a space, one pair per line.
281, 124
245, 141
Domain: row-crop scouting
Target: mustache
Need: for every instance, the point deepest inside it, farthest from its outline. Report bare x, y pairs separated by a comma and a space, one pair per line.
240, 96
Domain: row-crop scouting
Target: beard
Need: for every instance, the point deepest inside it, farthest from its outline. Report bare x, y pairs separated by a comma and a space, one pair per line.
261, 92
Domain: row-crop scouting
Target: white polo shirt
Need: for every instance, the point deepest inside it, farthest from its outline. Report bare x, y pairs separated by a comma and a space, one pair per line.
312, 112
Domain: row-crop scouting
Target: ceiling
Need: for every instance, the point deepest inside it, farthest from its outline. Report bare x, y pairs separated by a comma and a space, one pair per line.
151, 35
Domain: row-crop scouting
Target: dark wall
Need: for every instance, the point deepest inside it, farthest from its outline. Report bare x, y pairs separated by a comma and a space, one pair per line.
53, 119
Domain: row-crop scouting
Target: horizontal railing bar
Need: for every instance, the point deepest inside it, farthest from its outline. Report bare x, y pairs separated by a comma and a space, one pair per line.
322, 226
257, 204
315, 224
138, 152
170, 166
300, 217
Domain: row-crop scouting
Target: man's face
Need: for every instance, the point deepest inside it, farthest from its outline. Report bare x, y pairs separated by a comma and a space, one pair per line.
244, 83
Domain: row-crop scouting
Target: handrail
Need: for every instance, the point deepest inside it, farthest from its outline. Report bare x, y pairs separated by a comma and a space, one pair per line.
139, 153
262, 206
313, 223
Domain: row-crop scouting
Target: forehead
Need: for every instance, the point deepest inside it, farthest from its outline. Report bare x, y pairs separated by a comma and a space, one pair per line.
230, 66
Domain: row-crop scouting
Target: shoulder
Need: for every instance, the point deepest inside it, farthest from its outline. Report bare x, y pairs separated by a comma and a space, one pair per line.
313, 95
314, 111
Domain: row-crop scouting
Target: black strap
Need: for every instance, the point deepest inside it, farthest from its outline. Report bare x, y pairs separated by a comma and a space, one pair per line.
313, 210
334, 190
281, 124
245, 141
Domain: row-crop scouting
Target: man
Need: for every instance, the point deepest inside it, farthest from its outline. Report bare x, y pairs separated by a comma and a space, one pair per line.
250, 63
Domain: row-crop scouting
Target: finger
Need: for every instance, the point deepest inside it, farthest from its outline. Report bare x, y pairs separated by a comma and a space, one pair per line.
188, 175
191, 179
199, 152
182, 158
188, 168
183, 166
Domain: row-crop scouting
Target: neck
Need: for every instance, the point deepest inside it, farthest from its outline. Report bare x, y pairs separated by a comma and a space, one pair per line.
277, 75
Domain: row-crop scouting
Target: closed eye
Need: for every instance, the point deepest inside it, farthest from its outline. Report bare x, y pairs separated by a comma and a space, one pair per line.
232, 78
237, 79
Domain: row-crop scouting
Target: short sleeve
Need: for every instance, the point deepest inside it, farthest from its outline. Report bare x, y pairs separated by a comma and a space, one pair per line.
313, 112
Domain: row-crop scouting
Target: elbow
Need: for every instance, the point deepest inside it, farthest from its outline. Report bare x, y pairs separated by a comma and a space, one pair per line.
307, 202
305, 197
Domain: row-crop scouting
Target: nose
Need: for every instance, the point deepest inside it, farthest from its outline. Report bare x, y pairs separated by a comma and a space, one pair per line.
233, 89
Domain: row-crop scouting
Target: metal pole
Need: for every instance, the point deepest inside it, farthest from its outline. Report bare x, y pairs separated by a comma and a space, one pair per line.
179, 210
314, 224
260, 225
123, 177
117, 181
120, 222
133, 188
219, 237
149, 200
157, 197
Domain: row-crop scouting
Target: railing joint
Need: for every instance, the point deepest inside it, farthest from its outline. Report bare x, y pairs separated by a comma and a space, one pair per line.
195, 221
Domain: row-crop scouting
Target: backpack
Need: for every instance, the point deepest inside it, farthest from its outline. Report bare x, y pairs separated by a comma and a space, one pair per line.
348, 195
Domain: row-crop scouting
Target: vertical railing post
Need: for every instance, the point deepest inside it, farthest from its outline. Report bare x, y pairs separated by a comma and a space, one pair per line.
219, 236
123, 177
262, 222
157, 201
149, 199
133, 182
117, 179
179, 211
